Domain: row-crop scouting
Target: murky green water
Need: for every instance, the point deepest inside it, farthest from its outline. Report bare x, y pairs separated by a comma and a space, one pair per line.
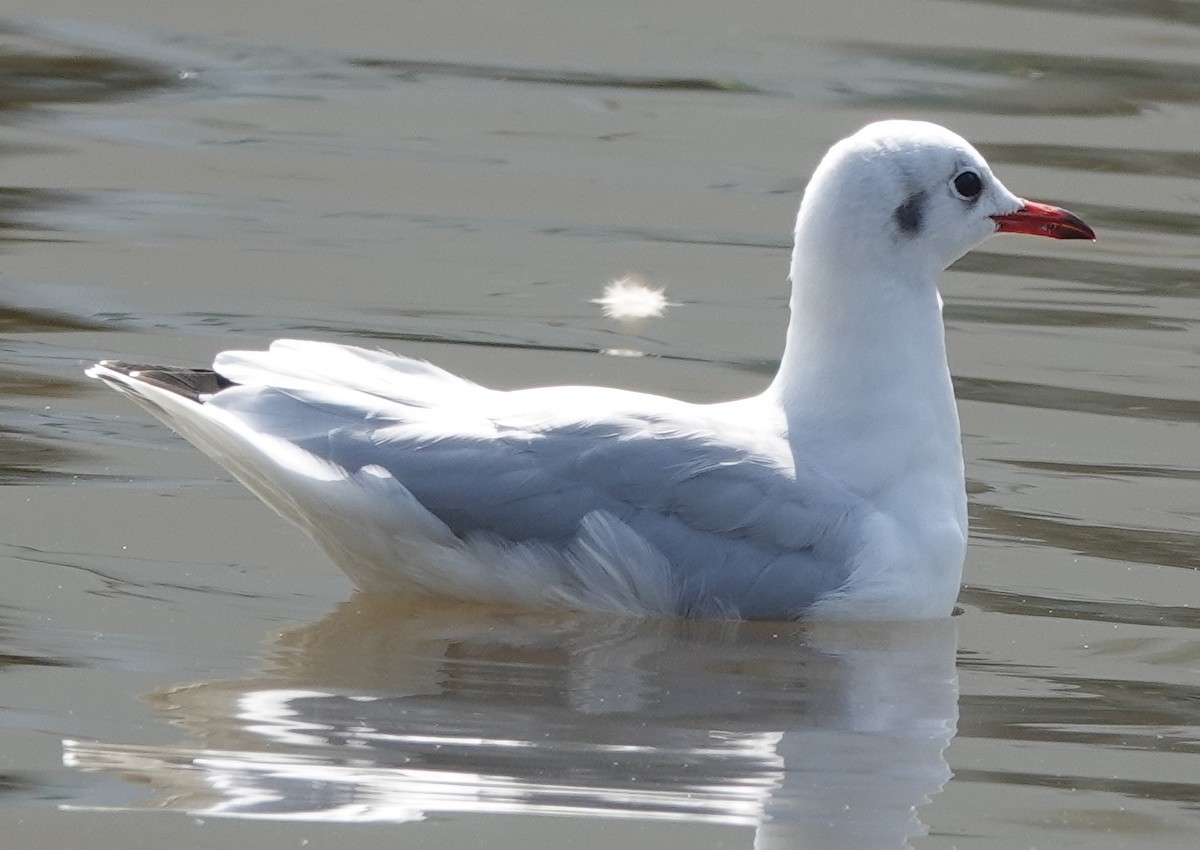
457, 181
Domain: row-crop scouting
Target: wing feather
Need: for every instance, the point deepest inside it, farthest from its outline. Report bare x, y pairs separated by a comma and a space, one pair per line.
722, 512
644, 503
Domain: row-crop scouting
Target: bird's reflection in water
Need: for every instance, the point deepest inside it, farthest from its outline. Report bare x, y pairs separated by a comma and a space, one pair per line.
389, 710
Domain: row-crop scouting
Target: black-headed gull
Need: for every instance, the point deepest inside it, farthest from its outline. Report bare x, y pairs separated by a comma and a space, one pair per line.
837, 492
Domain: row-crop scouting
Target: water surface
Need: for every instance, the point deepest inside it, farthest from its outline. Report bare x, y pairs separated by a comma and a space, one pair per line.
458, 182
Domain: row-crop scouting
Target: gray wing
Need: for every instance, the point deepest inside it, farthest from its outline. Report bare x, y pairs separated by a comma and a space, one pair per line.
726, 519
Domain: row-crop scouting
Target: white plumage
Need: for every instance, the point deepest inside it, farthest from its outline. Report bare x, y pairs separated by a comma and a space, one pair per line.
837, 492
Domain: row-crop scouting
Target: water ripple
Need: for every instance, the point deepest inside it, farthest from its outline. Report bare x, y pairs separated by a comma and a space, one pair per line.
1002, 82
410, 69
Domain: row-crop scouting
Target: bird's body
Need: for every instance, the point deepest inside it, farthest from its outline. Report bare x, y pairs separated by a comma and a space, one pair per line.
837, 492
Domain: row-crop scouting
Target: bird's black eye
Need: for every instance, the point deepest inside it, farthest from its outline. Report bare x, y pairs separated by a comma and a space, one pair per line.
968, 184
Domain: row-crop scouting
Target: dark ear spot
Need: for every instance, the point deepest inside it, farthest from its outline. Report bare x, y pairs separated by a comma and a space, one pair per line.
909, 215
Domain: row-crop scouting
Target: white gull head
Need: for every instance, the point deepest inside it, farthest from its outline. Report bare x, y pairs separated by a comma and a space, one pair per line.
902, 200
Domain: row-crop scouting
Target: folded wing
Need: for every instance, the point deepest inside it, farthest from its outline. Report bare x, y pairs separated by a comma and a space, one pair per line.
627, 500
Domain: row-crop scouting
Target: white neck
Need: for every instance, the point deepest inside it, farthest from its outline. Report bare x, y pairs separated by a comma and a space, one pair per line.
865, 390
864, 382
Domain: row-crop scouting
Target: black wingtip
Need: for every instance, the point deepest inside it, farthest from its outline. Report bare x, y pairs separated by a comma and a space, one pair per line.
194, 384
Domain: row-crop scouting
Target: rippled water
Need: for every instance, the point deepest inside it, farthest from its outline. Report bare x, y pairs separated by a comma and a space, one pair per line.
458, 182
